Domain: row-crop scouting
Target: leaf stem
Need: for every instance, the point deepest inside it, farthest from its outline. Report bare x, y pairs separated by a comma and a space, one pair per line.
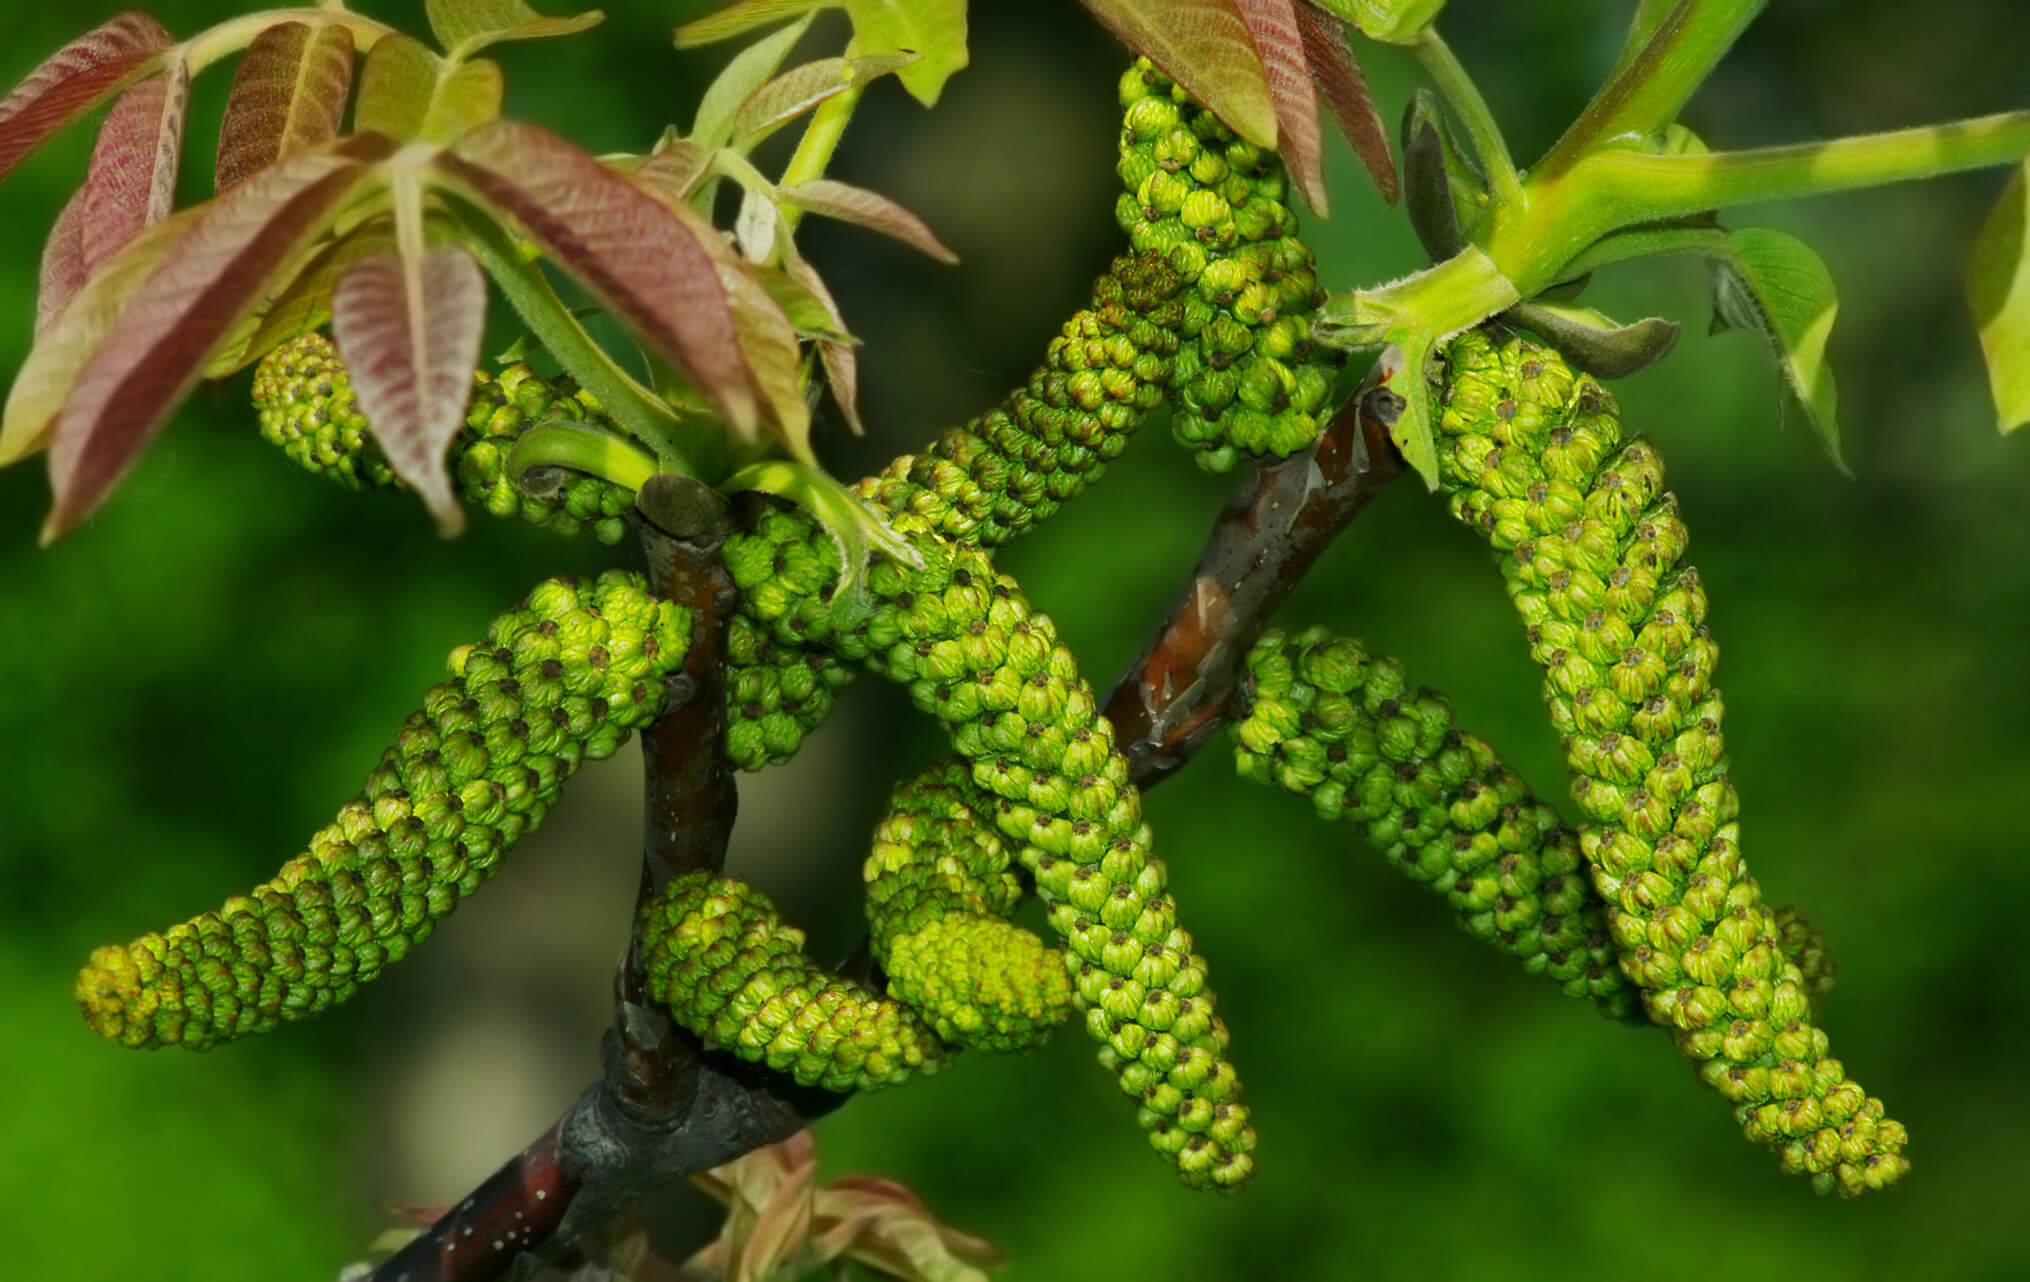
1645, 188
1450, 78
235, 34
820, 140
579, 448
1646, 92
640, 411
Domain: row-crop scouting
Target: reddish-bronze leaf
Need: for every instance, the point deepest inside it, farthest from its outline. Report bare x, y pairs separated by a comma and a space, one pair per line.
842, 363
63, 263
676, 169
1273, 24
133, 176
626, 246
1203, 45
869, 209
156, 350
410, 335
1339, 79
289, 94
73, 80
302, 300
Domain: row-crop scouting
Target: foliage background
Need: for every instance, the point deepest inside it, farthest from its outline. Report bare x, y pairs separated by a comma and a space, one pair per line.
195, 679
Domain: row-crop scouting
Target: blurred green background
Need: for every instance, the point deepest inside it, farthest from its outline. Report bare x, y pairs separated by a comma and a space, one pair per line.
198, 677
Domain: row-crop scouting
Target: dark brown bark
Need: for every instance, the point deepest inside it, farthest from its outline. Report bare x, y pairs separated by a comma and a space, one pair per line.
1181, 689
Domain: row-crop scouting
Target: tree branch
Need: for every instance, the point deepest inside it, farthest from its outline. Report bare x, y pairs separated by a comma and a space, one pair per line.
1181, 689
666, 1107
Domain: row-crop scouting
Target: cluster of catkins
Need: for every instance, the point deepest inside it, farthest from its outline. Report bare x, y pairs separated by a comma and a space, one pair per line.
1532, 457
1647, 910
560, 680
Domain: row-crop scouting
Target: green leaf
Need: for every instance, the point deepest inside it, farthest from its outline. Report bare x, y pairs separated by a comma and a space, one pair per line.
740, 18
1203, 45
1397, 392
464, 27
811, 316
410, 94
1776, 286
747, 72
1998, 290
801, 88
1397, 22
933, 30
1595, 343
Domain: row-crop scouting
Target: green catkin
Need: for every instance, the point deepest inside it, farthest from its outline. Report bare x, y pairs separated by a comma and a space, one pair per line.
1008, 470
303, 396
560, 680
1591, 546
973, 654
1328, 722
1806, 947
1247, 378
718, 955
940, 887
775, 695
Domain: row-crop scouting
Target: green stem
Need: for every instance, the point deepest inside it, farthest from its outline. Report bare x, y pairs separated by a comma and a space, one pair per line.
1460, 292
1646, 188
578, 448
1648, 91
1452, 81
1644, 242
235, 34
630, 404
821, 139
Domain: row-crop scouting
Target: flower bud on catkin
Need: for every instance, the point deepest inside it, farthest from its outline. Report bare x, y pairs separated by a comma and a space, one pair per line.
717, 954
304, 398
1331, 723
1590, 544
940, 887
973, 654
562, 679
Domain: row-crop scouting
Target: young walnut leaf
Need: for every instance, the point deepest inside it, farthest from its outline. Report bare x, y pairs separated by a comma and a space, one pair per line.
289, 94
464, 27
409, 93
219, 268
1287, 66
842, 364
798, 90
73, 334
635, 253
1205, 46
74, 79
1337, 75
1775, 286
933, 30
742, 17
409, 332
1998, 291
748, 71
63, 263
869, 209
303, 300
132, 182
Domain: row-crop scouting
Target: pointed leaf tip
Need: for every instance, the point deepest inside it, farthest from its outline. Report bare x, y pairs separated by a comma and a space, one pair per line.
1339, 79
1776, 286
871, 210
75, 78
1286, 66
1998, 292
933, 30
409, 333
1205, 46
